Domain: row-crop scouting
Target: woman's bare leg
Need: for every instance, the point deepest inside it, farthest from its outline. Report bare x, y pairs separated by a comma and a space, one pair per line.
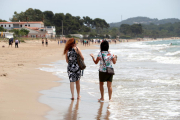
109, 85
78, 89
101, 87
72, 90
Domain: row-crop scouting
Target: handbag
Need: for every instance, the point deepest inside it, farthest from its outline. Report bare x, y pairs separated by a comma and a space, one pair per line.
109, 70
80, 62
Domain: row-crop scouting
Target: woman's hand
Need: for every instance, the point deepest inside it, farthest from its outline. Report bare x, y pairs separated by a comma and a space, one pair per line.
91, 55
97, 59
114, 59
116, 56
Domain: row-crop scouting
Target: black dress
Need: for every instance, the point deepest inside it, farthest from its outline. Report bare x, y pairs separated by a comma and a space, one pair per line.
73, 69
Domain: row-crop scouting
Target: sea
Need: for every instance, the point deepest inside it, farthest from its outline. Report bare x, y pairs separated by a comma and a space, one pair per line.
146, 84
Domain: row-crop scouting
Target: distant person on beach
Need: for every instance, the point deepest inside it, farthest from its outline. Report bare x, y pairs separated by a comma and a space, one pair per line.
46, 42
87, 43
83, 42
74, 72
42, 42
103, 77
16, 43
10, 42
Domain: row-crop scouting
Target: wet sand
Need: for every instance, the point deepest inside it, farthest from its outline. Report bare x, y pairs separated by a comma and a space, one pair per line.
63, 108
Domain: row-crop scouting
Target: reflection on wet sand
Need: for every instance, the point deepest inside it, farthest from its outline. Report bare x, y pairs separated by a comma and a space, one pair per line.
72, 114
100, 112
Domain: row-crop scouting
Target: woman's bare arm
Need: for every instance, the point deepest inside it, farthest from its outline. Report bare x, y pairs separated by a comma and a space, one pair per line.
114, 59
97, 59
79, 52
67, 57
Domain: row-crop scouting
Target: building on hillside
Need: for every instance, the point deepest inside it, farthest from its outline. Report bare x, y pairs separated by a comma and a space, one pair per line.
36, 29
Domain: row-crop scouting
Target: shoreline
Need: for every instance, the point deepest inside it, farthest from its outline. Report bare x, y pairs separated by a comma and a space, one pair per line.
63, 108
21, 81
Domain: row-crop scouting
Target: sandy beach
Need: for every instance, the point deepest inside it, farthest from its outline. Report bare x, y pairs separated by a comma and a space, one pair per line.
21, 81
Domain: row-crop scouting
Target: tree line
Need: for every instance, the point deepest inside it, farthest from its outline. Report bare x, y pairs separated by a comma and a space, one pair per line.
94, 27
151, 30
2, 20
71, 24
162, 30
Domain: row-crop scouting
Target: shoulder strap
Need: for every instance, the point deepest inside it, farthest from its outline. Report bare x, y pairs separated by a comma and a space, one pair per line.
77, 50
103, 59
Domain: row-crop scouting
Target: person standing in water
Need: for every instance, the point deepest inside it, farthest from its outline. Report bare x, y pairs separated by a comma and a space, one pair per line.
74, 72
103, 76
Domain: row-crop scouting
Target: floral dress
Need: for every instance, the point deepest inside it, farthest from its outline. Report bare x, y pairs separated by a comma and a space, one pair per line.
107, 58
73, 69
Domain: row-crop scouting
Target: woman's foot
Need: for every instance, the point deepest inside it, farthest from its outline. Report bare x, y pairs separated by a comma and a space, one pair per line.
78, 97
101, 99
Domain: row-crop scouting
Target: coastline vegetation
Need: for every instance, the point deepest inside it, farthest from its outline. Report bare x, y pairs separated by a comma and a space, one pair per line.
95, 28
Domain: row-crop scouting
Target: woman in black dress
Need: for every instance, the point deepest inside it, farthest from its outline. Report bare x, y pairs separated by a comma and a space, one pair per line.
73, 69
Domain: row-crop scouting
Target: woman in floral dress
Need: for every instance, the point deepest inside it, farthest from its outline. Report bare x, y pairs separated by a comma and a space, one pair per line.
103, 77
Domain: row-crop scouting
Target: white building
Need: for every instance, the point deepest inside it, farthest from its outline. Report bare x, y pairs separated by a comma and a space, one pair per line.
51, 30
35, 32
12, 25
37, 29
6, 34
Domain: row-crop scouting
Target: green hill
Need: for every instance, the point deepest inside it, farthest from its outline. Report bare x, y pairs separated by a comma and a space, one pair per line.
144, 20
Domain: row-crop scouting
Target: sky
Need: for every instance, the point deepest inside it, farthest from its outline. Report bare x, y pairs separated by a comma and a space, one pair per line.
109, 10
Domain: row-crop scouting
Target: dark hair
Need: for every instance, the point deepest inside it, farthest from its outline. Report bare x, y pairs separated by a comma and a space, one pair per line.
104, 46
